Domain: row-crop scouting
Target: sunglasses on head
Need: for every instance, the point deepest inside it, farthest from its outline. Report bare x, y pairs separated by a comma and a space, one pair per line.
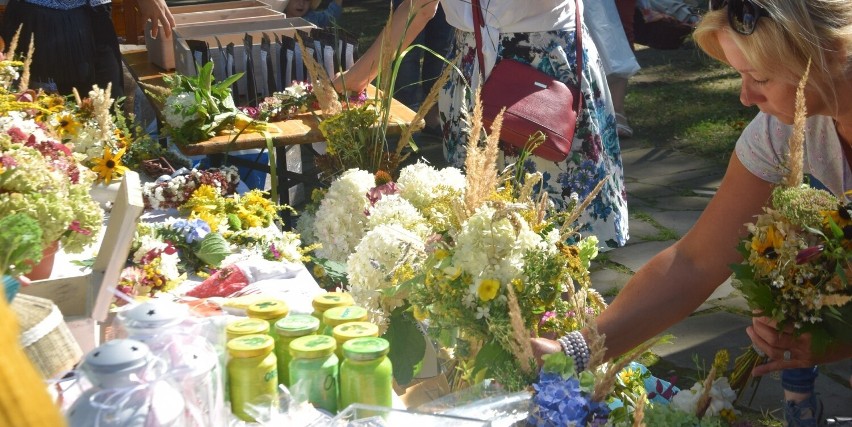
742, 14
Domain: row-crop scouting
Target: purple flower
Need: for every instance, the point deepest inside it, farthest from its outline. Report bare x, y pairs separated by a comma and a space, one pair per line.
808, 254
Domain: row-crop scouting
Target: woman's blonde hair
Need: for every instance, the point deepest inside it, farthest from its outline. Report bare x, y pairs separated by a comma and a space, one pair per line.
795, 31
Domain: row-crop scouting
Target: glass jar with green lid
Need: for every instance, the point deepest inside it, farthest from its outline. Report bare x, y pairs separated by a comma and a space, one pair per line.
288, 329
246, 326
323, 302
348, 331
366, 375
314, 371
340, 315
252, 375
270, 310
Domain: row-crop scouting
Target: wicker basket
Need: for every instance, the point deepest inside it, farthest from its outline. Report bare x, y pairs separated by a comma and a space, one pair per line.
45, 336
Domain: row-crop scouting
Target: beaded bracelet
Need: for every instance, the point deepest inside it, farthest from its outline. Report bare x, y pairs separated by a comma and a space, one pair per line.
575, 347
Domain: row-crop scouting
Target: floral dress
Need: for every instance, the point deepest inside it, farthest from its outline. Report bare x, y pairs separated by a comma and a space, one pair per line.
595, 153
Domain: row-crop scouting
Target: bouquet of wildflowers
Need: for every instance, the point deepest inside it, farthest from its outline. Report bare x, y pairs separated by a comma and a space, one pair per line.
797, 259
39, 176
196, 109
356, 128
154, 267
295, 99
169, 192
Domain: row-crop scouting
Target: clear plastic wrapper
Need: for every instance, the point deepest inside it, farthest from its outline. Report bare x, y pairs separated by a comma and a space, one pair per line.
486, 401
358, 415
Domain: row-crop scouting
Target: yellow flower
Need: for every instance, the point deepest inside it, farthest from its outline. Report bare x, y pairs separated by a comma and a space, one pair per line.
420, 314
441, 253
319, 271
452, 272
68, 125
109, 166
767, 247
519, 285
488, 288
207, 216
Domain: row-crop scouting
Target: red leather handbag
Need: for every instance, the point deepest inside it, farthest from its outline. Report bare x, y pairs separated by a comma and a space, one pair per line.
534, 100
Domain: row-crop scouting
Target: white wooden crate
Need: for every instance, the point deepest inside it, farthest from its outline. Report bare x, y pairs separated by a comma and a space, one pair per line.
85, 300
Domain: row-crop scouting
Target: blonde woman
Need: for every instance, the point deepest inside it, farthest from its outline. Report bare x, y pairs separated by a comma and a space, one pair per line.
769, 44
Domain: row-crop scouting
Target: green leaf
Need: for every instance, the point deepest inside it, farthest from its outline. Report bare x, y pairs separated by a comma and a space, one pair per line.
213, 249
407, 345
491, 354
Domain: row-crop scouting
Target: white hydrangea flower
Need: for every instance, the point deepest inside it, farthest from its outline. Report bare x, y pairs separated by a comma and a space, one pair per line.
340, 221
493, 249
180, 109
393, 209
305, 227
371, 268
421, 184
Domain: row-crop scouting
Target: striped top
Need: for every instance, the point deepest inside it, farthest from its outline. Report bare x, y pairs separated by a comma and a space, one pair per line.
67, 4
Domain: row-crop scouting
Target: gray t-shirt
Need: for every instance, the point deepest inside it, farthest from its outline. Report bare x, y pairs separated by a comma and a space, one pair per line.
763, 146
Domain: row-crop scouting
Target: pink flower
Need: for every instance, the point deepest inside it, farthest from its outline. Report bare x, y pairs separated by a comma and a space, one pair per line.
75, 227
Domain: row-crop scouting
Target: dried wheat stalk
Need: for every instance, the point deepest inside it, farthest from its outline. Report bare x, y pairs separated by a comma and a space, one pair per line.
323, 88
427, 105
520, 341
797, 139
25, 76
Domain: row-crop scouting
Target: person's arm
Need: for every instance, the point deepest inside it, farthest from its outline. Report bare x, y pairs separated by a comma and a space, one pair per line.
765, 336
159, 14
401, 31
680, 278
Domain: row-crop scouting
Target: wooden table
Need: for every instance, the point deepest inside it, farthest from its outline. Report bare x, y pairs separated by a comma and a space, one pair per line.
301, 129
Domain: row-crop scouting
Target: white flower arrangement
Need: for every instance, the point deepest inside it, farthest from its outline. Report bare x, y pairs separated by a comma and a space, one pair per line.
722, 397
386, 256
340, 221
422, 184
491, 247
180, 109
393, 209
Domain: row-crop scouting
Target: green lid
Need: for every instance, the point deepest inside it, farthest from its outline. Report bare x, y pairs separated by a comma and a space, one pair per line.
251, 345
340, 315
352, 330
297, 325
247, 327
268, 309
312, 347
323, 302
369, 348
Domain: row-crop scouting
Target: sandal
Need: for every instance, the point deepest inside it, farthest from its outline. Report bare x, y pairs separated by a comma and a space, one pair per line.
807, 413
622, 127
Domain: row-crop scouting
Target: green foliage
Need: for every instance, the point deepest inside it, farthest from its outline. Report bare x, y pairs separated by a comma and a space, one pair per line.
20, 240
407, 345
213, 249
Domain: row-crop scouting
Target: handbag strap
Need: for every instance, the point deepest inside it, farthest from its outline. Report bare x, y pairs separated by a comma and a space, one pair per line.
479, 23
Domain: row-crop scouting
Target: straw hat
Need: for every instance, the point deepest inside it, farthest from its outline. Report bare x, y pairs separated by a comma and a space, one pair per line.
44, 335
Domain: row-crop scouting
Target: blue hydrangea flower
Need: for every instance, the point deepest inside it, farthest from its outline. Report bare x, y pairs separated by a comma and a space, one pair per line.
194, 229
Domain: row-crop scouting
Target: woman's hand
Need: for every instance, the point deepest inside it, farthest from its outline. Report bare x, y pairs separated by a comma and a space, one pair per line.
159, 14
351, 81
543, 346
784, 349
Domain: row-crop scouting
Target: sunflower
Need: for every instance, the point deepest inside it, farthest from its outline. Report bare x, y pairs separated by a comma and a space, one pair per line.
109, 166
68, 124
